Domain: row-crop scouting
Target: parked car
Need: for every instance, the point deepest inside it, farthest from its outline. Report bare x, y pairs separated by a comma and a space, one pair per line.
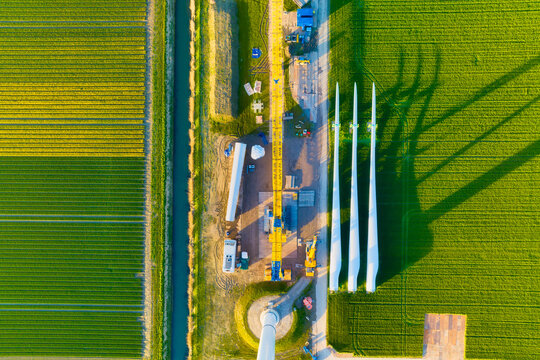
307, 301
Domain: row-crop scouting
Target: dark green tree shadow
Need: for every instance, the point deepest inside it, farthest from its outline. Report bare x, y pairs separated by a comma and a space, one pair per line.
404, 235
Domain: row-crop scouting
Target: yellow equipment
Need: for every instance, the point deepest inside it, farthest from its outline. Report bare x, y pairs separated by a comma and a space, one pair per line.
287, 274
311, 261
303, 61
277, 84
293, 38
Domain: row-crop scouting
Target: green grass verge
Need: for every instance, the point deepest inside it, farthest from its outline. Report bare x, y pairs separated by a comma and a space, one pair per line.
457, 94
160, 177
252, 293
289, 5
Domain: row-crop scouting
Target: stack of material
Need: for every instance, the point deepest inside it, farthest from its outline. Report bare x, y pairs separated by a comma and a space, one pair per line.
290, 182
306, 198
249, 89
257, 106
258, 86
288, 116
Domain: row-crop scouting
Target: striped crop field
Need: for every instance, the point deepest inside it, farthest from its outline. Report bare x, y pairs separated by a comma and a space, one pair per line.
73, 119
458, 169
72, 77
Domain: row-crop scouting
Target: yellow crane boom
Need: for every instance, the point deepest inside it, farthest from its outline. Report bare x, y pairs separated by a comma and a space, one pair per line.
277, 84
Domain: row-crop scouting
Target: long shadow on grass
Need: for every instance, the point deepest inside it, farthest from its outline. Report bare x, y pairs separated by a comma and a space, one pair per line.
486, 90
464, 149
404, 236
508, 165
396, 179
398, 207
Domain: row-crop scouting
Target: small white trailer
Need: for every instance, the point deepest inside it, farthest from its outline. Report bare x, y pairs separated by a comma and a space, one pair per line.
267, 220
229, 256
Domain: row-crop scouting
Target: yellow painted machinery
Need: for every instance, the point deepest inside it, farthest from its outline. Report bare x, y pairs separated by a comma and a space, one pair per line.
311, 261
277, 84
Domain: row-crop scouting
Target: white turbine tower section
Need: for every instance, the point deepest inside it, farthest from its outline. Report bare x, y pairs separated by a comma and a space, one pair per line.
236, 177
354, 236
335, 244
373, 243
267, 342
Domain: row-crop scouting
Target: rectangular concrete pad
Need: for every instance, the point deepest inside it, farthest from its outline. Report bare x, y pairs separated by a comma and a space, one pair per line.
444, 337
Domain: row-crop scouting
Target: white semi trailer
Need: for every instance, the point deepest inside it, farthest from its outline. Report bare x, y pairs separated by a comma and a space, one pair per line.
236, 177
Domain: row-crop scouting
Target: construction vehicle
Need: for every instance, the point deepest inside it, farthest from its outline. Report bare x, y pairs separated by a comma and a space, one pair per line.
228, 150
311, 261
263, 138
307, 351
267, 220
303, 60
293, 38
277, 103
285, 274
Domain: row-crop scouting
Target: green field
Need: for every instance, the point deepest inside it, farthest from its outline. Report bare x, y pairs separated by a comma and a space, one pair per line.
71, 243
72, 185
458, 87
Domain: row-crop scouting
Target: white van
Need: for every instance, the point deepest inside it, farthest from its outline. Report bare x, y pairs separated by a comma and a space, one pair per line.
229, 256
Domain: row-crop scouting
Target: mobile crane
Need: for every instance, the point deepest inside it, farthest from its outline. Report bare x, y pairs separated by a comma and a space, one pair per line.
311, 261
277, 84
